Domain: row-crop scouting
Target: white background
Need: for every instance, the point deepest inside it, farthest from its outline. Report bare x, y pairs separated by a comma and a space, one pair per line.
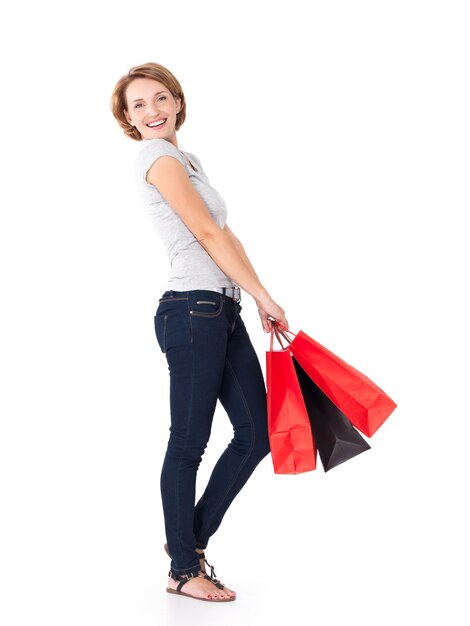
338, 134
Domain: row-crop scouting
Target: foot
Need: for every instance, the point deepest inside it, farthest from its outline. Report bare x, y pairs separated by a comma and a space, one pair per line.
202, 562
200, 587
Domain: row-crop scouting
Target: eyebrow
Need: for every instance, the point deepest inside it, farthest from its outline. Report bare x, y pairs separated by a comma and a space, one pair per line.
155, 94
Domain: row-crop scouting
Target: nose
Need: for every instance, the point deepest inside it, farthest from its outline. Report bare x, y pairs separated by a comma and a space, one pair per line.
153, 112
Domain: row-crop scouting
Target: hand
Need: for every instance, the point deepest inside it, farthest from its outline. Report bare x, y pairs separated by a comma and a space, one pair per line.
268, 308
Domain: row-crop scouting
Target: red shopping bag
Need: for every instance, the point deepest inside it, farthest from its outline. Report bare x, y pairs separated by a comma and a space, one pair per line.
365, 404
293, 449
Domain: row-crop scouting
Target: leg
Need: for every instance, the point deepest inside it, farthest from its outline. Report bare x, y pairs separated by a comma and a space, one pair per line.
243, 395
196, 364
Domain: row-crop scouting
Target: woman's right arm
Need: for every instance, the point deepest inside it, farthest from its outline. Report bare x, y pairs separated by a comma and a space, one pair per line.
172, 181
264, 316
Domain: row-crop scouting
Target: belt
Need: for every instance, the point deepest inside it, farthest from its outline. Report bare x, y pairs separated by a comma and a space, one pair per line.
231, 292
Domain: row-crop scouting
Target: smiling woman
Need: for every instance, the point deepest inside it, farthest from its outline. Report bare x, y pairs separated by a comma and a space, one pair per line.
198, 327
152, 110
130, 102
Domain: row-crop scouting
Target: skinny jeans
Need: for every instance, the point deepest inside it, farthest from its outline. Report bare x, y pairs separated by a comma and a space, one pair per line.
210, 357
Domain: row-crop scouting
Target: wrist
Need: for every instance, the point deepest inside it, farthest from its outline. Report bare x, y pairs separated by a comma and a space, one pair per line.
260, 295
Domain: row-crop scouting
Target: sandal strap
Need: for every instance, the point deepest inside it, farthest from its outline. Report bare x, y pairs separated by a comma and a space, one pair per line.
213, 574
215, 581
213, 577
182, 578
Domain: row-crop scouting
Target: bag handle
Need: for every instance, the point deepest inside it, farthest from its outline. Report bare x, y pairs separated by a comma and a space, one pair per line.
281, 329
275, 331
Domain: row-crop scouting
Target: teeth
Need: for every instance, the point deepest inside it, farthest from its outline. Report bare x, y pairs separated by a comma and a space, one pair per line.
153, 124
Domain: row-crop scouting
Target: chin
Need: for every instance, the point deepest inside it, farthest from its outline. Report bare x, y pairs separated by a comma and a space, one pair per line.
154, 136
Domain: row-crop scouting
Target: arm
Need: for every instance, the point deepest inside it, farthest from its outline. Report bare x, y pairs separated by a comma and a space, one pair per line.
172, 181
264, 315
240, 249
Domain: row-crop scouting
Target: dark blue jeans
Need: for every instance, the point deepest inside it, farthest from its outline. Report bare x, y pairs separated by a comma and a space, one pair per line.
210, 357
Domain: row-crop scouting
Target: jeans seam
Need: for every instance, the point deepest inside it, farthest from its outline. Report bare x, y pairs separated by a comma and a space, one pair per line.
165, 319
245, 458
190, 324
236, 316
178, 480
163, 300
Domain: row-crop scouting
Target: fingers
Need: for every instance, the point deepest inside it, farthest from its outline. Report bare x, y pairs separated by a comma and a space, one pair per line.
279, 318
281, 321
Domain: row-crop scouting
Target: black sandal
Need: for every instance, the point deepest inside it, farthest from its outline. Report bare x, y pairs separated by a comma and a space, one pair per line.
212, 577
183, 579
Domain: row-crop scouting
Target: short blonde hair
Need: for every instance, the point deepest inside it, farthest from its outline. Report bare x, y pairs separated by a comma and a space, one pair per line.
147, 70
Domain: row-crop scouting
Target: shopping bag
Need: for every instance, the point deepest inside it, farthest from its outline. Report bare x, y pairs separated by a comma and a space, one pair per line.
336, 439
292, 445
365, 404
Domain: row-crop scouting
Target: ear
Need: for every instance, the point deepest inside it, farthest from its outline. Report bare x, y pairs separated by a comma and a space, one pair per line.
178, 104
128, 117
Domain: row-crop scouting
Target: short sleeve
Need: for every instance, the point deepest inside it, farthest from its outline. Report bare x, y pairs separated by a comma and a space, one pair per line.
197, 161
152, 150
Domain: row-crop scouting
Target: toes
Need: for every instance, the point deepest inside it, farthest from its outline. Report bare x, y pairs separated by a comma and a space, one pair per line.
229, 592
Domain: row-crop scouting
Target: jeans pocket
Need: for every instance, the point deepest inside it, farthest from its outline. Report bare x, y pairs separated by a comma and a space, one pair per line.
206, 306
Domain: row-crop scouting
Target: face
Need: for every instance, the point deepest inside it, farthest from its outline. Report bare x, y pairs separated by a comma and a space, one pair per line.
149, 101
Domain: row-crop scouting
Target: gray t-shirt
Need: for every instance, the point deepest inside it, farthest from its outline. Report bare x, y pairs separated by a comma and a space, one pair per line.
191, 267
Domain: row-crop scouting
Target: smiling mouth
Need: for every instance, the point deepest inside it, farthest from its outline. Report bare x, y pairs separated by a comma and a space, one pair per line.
157, 126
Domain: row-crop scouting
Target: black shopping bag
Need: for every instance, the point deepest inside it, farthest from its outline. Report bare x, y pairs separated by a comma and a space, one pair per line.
336, 438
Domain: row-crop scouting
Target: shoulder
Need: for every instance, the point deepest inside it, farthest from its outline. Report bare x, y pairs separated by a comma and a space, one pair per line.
152, 149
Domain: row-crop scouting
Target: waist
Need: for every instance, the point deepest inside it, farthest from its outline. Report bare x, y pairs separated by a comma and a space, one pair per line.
233, 293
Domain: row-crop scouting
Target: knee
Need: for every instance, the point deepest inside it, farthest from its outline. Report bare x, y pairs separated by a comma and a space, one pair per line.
252, 442
262, 447
186, 448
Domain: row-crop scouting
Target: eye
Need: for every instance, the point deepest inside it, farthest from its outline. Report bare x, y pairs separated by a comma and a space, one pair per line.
139, 104
162, 97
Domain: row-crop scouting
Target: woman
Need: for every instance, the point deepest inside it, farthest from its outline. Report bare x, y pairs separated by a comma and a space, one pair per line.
198, 327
